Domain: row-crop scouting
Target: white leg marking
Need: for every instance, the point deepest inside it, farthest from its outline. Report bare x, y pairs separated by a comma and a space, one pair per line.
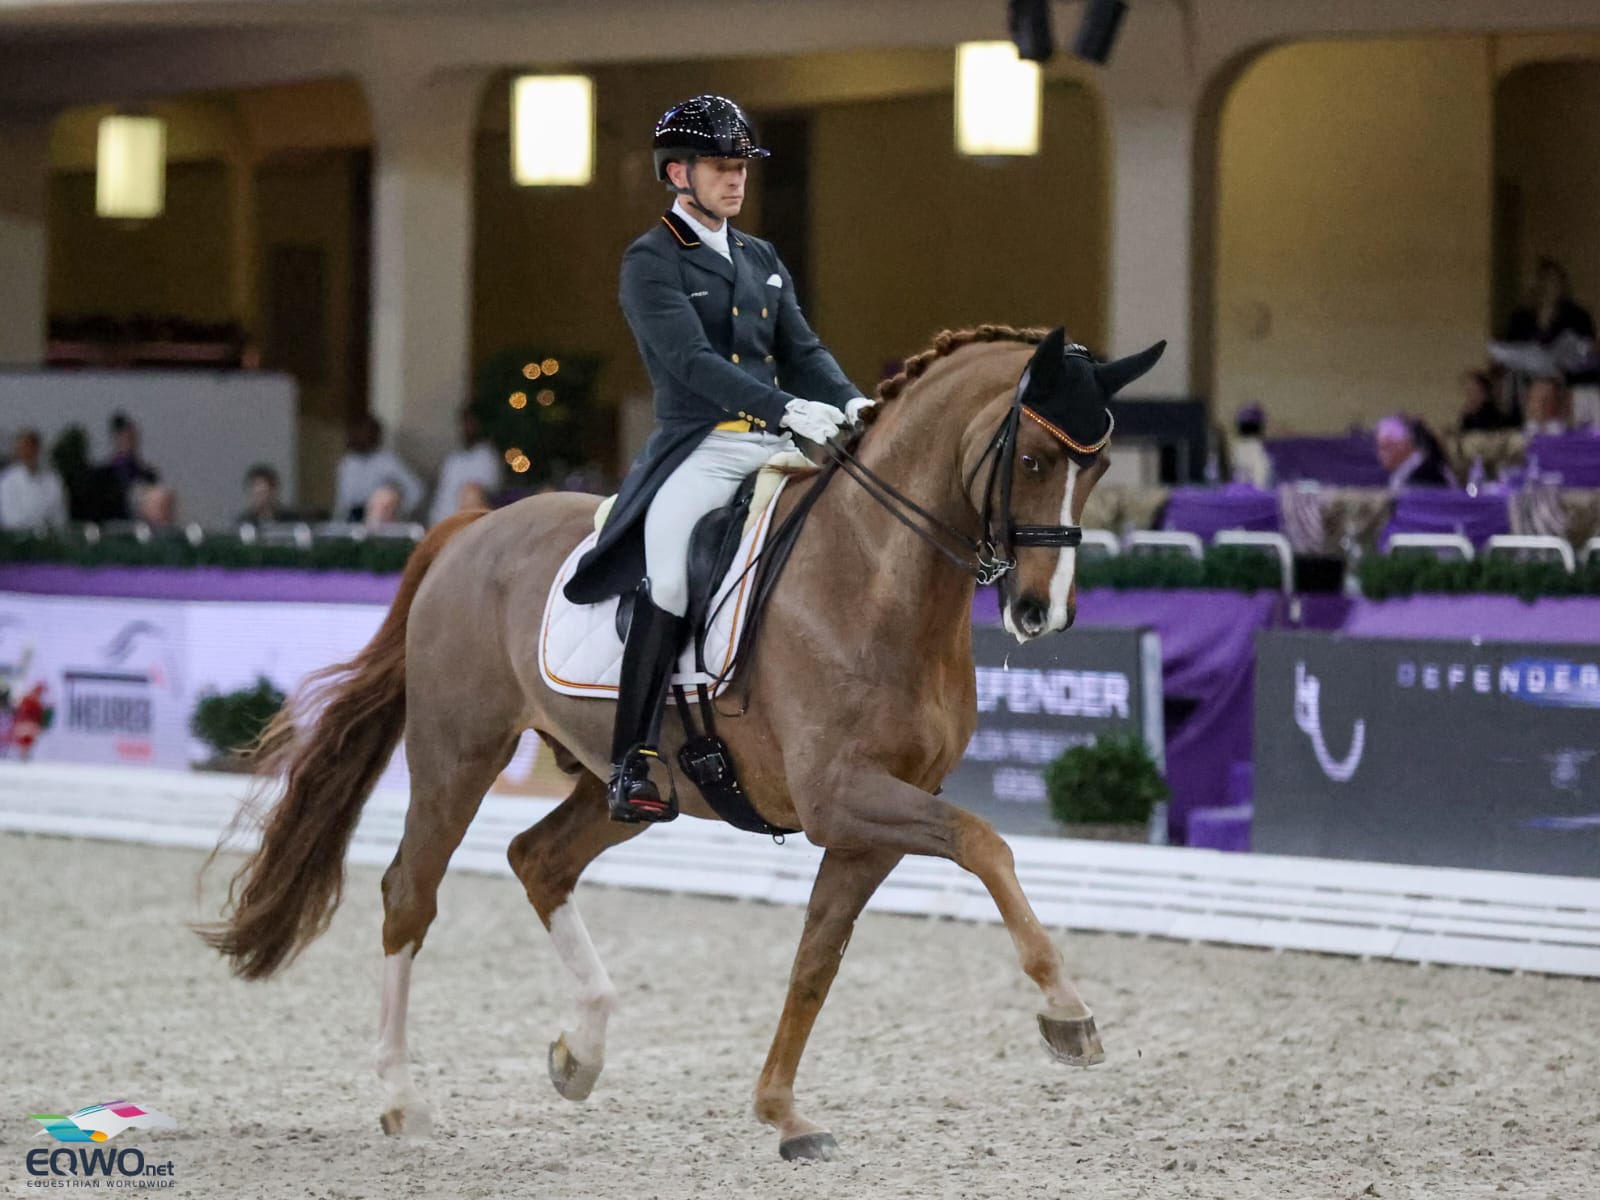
393, 1060
1067, 563
597, 998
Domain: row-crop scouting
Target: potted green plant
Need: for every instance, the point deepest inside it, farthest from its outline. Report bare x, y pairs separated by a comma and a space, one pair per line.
1108, 790
231, 722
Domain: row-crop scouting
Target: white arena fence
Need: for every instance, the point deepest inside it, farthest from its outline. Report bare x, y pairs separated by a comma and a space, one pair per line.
1490, 919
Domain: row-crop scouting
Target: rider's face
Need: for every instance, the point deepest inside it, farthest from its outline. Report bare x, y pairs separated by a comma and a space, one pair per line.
719, 182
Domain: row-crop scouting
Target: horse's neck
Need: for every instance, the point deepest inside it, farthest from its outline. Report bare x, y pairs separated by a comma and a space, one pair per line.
911, 588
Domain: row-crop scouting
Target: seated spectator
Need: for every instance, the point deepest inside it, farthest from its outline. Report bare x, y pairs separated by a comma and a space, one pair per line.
472, 495
1411, 454
1547, 407
1248, 455
261, 484
476, 462
365, 466
382, 506
31, 495
125, 467
1550, 310
156, 505
1479, 412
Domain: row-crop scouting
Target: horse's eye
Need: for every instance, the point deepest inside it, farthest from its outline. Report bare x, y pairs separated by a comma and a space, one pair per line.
1030, 463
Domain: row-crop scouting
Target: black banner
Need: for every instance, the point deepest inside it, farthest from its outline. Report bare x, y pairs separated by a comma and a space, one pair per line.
1432, 752
1040, 698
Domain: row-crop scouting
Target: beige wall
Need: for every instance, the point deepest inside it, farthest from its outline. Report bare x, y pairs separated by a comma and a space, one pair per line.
1547, 143
1353, 251
906, 237
909, 238
177, 263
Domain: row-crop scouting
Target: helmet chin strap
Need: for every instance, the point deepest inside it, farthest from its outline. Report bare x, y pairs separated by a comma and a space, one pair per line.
692, 198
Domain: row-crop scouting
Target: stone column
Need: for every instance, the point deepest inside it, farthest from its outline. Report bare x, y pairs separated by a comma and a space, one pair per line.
421, 259
24, 239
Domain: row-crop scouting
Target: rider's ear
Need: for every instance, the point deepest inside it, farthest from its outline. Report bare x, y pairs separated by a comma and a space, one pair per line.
1114, 376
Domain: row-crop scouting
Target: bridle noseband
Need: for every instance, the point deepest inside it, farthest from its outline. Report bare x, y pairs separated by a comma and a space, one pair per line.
991, 556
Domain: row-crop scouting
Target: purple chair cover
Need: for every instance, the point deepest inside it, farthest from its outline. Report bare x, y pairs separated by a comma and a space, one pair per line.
1443, 510
1574, 456
1350, 460
1204, 511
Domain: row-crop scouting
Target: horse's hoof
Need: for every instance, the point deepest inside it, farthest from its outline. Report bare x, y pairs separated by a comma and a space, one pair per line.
573, 1079
809, 1147
1072, 1040
406, 1122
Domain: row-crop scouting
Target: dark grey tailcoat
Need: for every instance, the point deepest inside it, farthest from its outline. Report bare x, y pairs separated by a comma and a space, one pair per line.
721, 341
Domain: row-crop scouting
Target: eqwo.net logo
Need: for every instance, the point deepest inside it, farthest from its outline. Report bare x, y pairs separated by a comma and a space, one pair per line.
91, 1165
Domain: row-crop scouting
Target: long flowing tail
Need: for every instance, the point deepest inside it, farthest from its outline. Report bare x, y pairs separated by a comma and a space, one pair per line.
285, 894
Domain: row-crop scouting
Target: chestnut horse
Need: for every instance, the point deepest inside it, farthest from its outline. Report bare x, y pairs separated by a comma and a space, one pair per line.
863, 698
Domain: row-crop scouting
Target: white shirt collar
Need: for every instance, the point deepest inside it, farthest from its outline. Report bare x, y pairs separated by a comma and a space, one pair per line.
717, 239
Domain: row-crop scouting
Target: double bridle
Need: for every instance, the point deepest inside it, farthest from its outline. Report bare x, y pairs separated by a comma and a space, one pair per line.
989, 557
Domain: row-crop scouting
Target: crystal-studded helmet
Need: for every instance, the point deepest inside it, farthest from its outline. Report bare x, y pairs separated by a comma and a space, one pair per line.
705, 127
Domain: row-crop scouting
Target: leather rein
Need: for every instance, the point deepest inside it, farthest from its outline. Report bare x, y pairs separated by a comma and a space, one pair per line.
989, 557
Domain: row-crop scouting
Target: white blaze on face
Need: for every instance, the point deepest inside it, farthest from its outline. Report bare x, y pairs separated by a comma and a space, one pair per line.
1067, 563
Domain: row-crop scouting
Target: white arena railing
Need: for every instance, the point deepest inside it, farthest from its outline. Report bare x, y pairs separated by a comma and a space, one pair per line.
1502, 920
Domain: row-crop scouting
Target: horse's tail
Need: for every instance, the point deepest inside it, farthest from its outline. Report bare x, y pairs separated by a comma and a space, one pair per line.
285, 894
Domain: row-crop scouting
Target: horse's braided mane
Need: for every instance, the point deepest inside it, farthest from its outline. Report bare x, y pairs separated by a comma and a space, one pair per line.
946, 344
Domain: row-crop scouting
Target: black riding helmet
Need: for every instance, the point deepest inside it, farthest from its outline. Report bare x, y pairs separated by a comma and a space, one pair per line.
704, 127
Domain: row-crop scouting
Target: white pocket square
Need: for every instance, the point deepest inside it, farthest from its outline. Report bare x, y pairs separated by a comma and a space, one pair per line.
774, 280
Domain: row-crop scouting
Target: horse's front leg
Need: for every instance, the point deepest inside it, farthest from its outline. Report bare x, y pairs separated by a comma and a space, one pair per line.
844, 884
876, 811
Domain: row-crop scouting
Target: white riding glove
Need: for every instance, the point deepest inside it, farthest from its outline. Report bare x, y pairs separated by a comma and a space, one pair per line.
813, 420
854, 408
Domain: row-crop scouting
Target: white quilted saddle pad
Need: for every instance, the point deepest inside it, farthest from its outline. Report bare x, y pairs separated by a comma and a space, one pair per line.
581, 655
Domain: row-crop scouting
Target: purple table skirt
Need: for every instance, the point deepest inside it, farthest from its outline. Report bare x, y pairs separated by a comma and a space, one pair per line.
1205, 511
1443, 510
1350, 461
199, 583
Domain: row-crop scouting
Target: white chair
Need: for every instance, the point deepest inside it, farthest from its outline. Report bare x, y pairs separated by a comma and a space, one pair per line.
1162, 540
1274, 542
1431, 541
1542, 544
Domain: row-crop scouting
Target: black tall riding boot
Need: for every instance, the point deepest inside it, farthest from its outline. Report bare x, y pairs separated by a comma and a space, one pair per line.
655, 638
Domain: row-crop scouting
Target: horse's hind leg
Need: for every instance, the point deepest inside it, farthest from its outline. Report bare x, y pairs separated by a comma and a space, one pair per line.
548, 858
844, 884
449, 776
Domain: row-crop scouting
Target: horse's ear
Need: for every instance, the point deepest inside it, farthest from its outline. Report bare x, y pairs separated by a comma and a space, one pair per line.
1046, 367
1114, 376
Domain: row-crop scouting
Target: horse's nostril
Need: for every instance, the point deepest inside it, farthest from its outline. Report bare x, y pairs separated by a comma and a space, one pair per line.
1031, 613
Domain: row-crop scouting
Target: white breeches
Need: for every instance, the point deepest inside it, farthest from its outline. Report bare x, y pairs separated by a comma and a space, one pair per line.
704, 481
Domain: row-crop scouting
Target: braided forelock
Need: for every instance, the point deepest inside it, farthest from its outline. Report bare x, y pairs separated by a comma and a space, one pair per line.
944, 345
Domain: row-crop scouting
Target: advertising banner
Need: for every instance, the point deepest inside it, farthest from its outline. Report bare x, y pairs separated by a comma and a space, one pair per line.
1040, 698
115, 681
1440, 753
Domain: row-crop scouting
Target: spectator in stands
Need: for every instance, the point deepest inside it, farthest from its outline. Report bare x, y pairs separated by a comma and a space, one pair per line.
476, 462
156, 504
1479, 411
1411, 454
31, 495
471, 495
266, 508
125, 463
1547, 407
1550, 310
383, 506
365, 466
1248, 461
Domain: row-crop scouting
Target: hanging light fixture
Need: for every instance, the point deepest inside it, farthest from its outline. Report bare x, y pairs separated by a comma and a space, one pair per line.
130, 167
552, 130
997, 101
